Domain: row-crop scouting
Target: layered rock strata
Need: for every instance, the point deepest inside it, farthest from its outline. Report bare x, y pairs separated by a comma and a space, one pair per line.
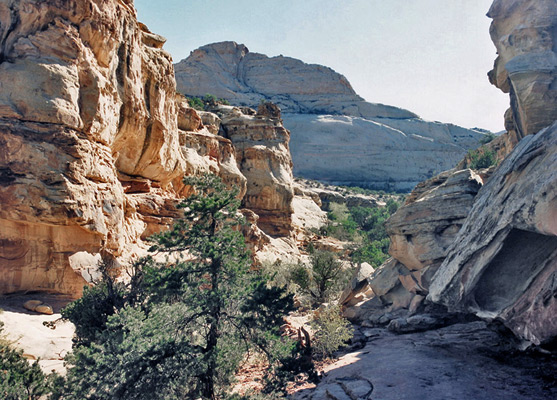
503, 264
94, 143
421, 232
263, 156
525, 35
337, 137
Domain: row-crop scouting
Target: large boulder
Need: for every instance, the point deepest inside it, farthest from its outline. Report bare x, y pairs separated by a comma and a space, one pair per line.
503, 263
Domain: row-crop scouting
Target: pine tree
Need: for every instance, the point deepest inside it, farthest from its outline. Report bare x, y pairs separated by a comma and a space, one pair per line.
182, 326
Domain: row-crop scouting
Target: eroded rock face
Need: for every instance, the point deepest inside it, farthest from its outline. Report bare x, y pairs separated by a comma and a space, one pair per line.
244, 78
262, 154
91, 157
337, 137
525, 34
503, 263
421, 232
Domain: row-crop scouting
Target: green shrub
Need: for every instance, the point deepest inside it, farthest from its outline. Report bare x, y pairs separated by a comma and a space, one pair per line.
332, 331
482, 158
182, 326
323, 279
196, 103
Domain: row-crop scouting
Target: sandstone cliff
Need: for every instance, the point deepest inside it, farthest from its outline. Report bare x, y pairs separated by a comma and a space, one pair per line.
94, 142
337, 137
262, 153
503, 263
487, 245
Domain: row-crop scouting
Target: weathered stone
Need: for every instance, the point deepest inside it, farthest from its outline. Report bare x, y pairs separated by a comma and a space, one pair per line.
385, 278
337, 137
503, 263
263, 156
423, 229
188, 118
525, 36
38, 306
358, 285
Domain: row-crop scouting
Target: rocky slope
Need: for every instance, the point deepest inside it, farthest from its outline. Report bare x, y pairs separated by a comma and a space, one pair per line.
94, 143
479, 246
337, 137
491, 252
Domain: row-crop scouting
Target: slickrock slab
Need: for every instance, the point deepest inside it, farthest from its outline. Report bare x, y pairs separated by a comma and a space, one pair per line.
462, 361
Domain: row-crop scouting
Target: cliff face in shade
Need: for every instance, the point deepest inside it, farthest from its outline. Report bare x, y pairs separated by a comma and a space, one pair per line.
336, 136
503, 263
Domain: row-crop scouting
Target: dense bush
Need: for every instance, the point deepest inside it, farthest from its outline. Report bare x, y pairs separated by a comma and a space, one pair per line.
208, 101
332, 331
364, 226
321, 280
481, 158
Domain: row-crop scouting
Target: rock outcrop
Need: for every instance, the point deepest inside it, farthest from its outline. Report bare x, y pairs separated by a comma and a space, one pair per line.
421, 232
263, 156
503, 264
525, 34
94, 142
336, 137
230, 71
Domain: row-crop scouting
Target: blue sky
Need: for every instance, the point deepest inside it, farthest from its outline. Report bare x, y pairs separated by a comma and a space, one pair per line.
429, 56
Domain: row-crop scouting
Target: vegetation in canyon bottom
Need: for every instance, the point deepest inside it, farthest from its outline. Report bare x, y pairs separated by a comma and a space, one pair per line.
189, 315
194, 310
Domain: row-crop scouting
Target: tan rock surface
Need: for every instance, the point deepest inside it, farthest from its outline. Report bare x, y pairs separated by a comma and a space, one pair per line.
337, 137
91, 157
263, 156
525, 36
421, 232
423, 229
503, 263
230, 71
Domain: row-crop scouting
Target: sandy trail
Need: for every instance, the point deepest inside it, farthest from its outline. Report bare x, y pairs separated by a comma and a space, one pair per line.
26, 330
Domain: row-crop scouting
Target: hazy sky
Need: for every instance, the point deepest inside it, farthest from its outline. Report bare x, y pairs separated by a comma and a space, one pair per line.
428, 56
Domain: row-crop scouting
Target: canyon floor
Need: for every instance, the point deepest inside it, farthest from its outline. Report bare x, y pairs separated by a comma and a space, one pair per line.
27, 329
460, 361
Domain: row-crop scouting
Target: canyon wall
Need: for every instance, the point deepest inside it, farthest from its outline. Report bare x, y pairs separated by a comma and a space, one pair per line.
503, 263
485, 243
336, 136
94, 141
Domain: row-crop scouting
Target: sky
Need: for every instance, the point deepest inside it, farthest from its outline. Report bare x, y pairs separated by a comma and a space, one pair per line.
428, 56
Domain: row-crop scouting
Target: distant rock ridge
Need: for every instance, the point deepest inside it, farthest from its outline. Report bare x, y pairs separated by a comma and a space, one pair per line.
336, 136
230, 71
